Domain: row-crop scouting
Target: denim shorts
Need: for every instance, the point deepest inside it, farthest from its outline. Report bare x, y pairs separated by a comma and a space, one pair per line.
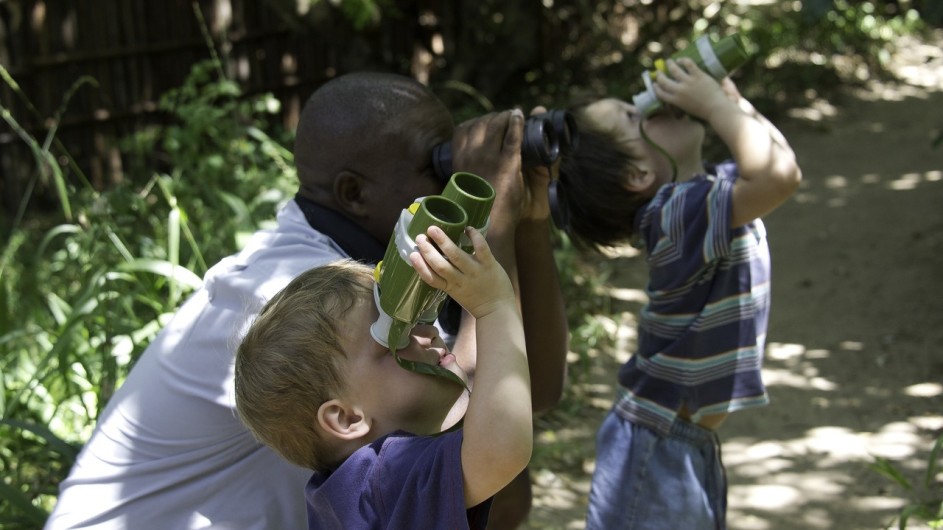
646, 481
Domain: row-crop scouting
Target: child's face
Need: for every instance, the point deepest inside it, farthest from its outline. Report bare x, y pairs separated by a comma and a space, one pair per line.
680, 136
393, 397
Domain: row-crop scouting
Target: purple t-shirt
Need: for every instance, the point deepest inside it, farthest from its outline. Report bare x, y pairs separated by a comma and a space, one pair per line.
398, 481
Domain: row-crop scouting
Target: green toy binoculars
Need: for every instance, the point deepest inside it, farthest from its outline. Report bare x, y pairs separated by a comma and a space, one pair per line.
717, 58
401, 296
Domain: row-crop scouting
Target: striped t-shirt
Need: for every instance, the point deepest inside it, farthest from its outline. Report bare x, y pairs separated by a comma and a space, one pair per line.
702, 332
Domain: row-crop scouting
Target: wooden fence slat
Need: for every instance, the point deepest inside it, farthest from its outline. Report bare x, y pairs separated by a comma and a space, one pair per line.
136, 50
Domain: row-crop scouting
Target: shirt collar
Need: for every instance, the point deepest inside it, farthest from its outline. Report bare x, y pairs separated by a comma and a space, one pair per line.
353, 239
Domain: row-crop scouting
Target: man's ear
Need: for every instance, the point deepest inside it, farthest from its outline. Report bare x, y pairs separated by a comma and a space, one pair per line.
349, 193
342, 420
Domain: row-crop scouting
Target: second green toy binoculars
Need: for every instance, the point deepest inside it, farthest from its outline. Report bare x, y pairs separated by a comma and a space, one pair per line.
402, 298
717, 58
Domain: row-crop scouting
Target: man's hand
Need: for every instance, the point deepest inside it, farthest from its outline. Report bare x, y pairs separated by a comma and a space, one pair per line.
490, 146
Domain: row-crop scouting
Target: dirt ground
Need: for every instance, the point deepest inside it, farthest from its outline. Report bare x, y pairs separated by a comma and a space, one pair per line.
854, 366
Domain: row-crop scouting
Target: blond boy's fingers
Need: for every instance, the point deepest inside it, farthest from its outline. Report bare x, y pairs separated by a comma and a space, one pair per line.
451, 260
482, 250
420, 262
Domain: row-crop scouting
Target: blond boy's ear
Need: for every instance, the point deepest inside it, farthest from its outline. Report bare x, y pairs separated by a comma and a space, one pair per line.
343, 421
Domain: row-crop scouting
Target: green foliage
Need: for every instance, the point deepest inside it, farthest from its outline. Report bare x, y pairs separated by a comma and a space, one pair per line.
82, 295
216, 155
585, 48
926, 498
582, 279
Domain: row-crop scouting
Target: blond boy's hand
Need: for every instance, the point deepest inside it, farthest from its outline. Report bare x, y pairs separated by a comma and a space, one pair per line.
476, 281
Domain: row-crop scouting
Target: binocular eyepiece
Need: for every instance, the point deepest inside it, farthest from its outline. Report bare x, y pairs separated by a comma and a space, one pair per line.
402, 298
546, 136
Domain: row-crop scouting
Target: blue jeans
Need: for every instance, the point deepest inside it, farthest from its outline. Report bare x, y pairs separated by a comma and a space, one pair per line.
646, 481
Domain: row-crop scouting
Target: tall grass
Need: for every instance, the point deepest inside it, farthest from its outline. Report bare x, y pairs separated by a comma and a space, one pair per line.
85, 288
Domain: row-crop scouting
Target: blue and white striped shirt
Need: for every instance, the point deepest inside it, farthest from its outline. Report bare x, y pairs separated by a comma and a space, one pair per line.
702, 332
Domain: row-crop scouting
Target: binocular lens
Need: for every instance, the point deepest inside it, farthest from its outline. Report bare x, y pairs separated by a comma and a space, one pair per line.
564, 126
540, 143
545, 137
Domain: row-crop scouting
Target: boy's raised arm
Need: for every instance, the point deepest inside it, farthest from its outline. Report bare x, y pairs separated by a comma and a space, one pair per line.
768, 171
498, 428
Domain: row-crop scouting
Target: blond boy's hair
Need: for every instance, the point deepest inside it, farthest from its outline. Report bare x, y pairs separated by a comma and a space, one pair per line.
292, 360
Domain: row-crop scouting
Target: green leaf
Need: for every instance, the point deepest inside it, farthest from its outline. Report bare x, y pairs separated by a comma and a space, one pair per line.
164, 268
884, 467
933, 461
237, 205
54, 442
21, 503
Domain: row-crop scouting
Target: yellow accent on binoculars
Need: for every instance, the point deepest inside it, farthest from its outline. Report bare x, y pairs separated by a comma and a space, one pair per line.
402, 298
718, 58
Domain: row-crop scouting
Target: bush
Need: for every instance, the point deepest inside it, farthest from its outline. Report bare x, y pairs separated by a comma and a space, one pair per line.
81, 295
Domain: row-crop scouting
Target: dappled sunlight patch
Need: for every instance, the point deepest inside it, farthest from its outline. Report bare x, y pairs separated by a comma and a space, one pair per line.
924, 390
878, 503
817, 353
919, 63
895, 440
559, 494
910, 181
764, 496
836, 441
851, 345
762, 469
818, 110
622, 251
784, 351
566, 435
785, 377
627, 295
928, 422
836, 181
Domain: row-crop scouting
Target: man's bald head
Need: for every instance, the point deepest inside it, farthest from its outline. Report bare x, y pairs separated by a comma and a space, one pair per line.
358, 121
364, 147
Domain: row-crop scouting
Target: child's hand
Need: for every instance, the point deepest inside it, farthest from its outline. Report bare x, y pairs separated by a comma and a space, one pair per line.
734, 95
730, 88
476, 281
691, 89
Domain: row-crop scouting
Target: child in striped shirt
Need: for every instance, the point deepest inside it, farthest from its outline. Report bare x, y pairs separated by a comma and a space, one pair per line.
701, 335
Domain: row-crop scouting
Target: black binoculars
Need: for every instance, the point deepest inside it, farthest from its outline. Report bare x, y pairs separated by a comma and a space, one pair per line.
546, 135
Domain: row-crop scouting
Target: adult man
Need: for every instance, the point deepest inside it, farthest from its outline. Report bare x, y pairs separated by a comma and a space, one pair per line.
169, 451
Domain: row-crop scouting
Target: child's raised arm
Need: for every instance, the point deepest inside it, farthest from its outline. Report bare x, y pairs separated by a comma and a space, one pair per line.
768, 172
498, 429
